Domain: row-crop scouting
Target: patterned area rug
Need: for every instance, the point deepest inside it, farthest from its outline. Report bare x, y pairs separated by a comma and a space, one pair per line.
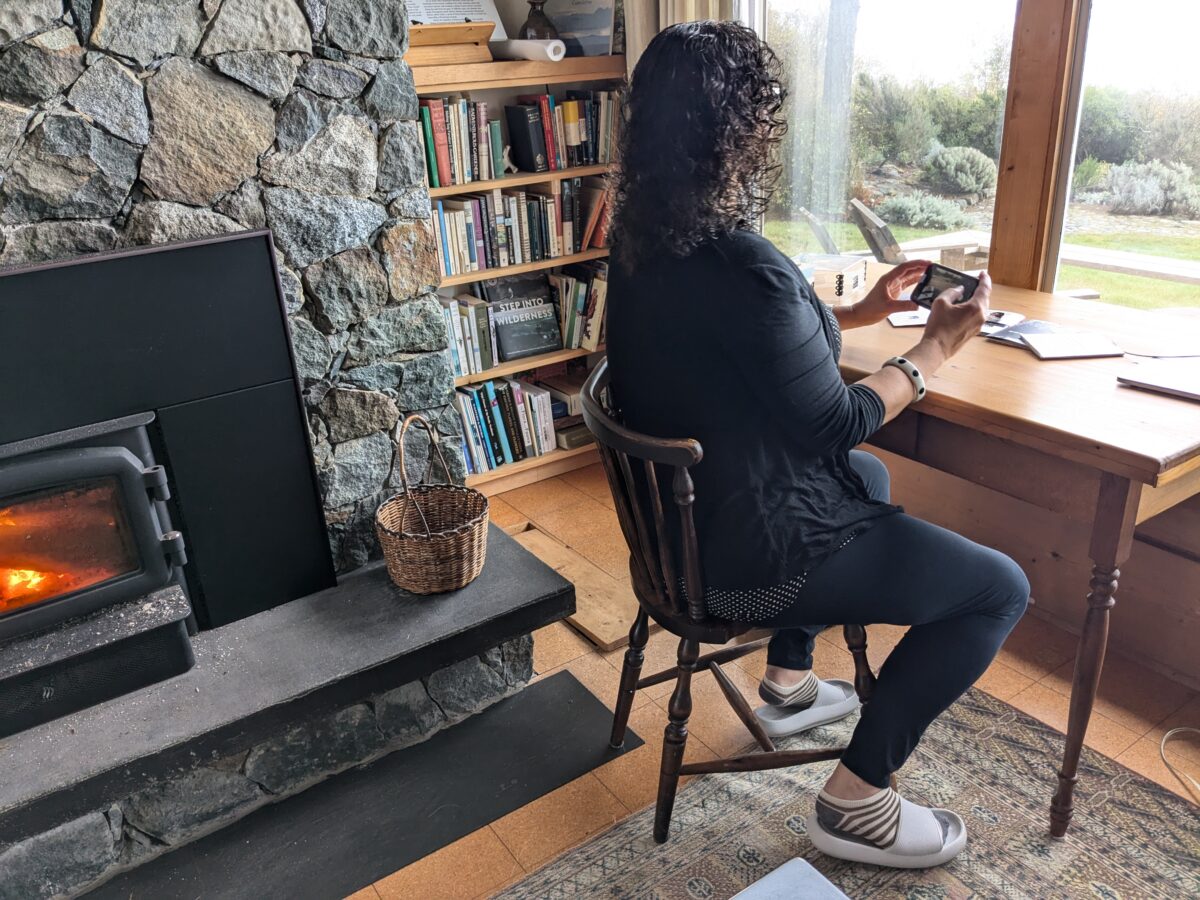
992, 764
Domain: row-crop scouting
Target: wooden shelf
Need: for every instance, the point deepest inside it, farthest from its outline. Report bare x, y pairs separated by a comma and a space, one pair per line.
516, 73
519, 179
536, 468
524, 365
503, 271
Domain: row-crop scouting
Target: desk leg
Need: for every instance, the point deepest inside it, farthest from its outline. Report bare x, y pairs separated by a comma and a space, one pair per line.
1112, 539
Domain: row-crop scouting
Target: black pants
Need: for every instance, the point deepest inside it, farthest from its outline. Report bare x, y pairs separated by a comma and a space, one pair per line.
960, 598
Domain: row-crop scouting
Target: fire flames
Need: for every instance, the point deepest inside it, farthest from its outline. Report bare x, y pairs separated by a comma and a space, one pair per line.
61, 541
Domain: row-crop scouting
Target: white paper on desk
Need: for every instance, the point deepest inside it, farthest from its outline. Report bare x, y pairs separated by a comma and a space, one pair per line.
997, 319
539, 50
442, 12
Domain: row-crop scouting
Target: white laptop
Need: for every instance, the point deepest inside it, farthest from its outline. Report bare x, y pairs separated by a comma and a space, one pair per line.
1179, 377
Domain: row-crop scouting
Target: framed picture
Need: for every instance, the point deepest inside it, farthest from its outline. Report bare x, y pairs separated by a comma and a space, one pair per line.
585, 26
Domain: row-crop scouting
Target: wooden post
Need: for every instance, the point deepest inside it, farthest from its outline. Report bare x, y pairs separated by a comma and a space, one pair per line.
1036, 119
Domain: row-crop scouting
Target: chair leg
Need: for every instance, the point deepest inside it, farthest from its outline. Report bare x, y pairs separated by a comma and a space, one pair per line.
675, 739
864, 678
639, 633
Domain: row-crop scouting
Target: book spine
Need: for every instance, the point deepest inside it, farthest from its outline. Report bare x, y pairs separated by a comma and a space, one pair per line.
531, 412
483, 337
491, 330
441, 141
473, 133
498, 421
460, 343
480, 241
491, 445
483, 138
577, 215
523, 219
518, 397
544, 102
449, 122
497, 147
512, 424
443, 243
500, 222
430, 148
547, 419
533, 212
568, 215
489, 229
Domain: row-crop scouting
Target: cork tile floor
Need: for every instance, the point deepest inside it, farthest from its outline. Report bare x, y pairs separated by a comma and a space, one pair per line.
1135, 708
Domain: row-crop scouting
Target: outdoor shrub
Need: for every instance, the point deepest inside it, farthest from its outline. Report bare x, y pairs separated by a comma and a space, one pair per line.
889, 120
967, 118
961, 170
1108, 126
1154, 188
1090, 175
921, 210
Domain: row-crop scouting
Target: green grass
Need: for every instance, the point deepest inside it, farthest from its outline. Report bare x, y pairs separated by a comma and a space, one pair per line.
797, 237
1172, 245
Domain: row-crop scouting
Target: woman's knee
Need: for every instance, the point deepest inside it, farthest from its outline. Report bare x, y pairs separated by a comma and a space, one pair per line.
1010, 587
874, 473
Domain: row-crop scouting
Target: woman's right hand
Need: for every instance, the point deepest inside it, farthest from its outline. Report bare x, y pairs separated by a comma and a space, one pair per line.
951, 323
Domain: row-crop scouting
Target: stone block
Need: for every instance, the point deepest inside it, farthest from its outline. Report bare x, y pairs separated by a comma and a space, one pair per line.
244, 204
360, 468
37, 69
160, 222
426, 380
68, 169
392, 96
338, 80
312, 227
406, 328
311, 349
175, 810
341, 159
21, 18
145, 32
407, 715
315, 749
114, 99
466, 687
378, 29
409, 253
258, 25
304, 114
59, 861
208, 133
265, 71
350, 414
346, 289
401, 159
47, 241
383, 376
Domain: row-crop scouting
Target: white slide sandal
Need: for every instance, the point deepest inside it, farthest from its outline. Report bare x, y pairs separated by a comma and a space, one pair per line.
835, 700
927, 837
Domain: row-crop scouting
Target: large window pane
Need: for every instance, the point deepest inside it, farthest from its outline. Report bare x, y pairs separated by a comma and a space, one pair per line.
896, 105
1132, 226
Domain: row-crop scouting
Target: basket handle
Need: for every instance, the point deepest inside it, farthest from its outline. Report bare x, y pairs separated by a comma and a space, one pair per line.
432, 432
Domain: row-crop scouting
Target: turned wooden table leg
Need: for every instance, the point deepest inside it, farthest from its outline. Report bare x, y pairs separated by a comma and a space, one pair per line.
1112, 538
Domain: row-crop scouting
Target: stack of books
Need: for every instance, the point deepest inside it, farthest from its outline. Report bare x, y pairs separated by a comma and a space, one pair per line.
461, 144
548, 134
501, 228
522, 316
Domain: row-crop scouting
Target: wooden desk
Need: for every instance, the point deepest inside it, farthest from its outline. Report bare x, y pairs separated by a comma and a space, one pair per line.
1061, 435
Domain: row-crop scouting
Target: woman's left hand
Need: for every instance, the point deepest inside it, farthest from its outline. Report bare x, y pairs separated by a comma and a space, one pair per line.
884, 298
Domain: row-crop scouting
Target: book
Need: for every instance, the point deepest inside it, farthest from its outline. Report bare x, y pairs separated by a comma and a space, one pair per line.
441, 142
479, 317
1071, 345
525, 320
482, 411
527, 137
593, 324
497, 148
497, 420
512, 423
997, 319
430, 148
518, 397
574, 436
542, 404
566, 388
1013, 335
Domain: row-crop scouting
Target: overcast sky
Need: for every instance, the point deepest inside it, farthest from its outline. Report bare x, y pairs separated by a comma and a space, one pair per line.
1133, 44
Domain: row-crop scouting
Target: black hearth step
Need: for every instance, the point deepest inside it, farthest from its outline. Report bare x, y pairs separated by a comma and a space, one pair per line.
255, 677
93, 658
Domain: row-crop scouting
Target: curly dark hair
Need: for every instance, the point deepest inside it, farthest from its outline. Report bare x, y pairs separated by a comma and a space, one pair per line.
696, 153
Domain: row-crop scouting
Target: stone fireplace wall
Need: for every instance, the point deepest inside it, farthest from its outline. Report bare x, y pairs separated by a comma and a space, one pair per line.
126, 122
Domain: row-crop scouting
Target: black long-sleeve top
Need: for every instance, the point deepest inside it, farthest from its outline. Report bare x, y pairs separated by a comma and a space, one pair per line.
731, 346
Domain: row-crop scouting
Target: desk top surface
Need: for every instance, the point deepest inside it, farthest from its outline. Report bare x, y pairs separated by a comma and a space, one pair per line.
1071, 408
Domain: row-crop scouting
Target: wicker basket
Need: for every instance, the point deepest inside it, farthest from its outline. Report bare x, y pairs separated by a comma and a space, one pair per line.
434, 536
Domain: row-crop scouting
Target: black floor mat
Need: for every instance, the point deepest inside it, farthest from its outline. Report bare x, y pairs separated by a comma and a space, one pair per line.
359, 826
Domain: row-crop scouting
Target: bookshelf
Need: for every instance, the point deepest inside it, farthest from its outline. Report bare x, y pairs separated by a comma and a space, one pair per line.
513, 77
553, 263
524, 365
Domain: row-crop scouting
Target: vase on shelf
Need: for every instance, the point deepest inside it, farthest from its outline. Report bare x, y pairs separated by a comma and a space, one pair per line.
538, 26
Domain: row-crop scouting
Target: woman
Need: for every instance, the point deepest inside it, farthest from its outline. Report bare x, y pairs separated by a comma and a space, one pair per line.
714, 334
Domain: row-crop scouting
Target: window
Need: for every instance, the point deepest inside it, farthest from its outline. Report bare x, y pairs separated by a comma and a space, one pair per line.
897, 108
1131, 231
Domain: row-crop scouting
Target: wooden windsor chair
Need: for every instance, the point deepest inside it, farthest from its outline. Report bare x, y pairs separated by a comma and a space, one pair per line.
670, 591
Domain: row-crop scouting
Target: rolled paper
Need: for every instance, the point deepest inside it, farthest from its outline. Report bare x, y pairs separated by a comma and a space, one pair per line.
552, 51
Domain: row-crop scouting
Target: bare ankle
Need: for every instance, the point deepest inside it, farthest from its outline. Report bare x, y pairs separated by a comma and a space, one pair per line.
845, 785
786, 677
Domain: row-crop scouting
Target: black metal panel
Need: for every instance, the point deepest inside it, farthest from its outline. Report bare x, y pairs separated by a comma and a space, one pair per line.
117, 334
241, 478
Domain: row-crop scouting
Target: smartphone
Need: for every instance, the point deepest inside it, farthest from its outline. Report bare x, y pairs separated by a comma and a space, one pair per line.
939, 278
